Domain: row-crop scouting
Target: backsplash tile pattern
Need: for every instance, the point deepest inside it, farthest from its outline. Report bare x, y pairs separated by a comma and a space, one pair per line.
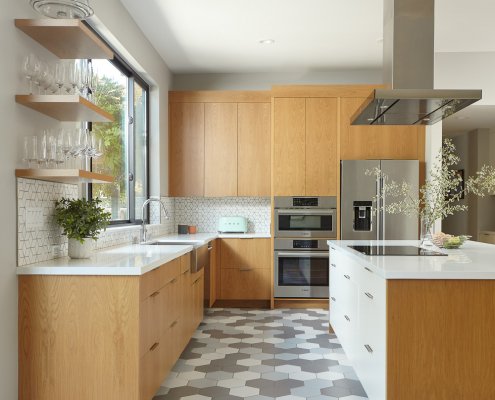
36, 239
35, 242
204, 212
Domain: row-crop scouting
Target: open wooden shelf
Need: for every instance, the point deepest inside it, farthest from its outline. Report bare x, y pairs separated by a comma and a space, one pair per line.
66, 38
73, 176
69, 108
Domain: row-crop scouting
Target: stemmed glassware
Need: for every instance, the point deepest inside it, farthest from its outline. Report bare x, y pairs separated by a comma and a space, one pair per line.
61, 77
53, 151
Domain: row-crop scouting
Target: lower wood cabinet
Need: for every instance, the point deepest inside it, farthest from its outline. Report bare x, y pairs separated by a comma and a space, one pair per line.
245, 272
105, 337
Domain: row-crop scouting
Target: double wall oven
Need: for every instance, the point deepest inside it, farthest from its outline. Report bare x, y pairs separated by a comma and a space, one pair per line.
302, 227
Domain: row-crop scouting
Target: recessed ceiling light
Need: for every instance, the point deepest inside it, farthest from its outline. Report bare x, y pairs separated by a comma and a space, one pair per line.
267, 41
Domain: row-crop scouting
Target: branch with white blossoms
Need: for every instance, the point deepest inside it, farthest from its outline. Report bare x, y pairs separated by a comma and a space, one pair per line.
439, 196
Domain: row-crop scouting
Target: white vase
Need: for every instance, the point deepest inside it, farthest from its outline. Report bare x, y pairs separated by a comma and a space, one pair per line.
80, 250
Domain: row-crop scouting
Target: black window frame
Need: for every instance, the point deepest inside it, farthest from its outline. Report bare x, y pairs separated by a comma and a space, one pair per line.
133, 77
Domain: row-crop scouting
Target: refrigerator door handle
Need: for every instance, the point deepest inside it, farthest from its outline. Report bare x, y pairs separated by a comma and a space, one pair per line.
378, 208
384, 198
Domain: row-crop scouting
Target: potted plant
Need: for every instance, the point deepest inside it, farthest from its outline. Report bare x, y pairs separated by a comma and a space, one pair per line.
81, 220
440, 194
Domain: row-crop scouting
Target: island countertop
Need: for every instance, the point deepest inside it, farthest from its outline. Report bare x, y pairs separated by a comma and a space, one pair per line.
474, 260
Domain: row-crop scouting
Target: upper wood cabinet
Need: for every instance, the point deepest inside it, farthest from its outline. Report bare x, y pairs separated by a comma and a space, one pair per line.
186, 149
321, 147
253, 143
305, 147
377, 142
219, 143
289, 147
220, 149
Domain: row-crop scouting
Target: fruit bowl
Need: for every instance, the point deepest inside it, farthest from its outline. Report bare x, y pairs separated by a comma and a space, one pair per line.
449, 241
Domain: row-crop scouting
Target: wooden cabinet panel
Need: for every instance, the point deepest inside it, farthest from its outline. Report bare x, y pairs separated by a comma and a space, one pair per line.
197, 298
246, 283
376, 142
321, 147
289, 144
253, 135
210, 276
220, 149
186, 149
245, 253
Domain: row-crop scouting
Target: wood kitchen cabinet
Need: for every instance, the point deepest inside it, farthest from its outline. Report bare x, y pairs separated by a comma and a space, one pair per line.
377, 142
105, 337
305, 147
186, 149
253, 141
220, 149
219, 143
245, 272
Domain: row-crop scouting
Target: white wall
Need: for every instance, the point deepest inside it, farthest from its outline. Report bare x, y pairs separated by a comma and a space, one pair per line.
19, 121
264, 81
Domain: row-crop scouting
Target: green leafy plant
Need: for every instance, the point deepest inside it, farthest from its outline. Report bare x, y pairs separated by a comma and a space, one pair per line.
81, 218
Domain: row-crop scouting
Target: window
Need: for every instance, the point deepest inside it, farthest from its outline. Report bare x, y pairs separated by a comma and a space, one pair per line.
120, 92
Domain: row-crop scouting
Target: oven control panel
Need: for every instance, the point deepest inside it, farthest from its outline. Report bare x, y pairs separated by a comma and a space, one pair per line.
305, 244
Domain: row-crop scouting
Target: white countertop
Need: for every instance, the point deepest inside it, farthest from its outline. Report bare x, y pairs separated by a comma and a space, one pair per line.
136, 259
474, 260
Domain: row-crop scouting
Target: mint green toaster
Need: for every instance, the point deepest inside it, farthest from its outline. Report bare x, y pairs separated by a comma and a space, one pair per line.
232, 225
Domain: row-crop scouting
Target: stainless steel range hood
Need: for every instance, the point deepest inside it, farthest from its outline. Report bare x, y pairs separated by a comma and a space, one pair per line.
408, 66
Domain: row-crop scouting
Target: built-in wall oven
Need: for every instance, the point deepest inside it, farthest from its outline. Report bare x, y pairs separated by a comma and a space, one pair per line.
313, 217
302, 227
301, 268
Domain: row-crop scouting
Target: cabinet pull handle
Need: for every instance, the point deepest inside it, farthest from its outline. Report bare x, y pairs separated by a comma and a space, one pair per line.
333, 298
186, 271
154, 294
368, 348
347, 318
369, 295
173, 324
367, 269
173, 280
155, 345
245, 269
347, 276
333, 265
196, 281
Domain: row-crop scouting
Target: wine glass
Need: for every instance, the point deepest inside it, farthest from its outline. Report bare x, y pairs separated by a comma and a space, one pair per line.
36, 78
52, 151
28, 69
33, 152
60, 75
74, 77
43, 150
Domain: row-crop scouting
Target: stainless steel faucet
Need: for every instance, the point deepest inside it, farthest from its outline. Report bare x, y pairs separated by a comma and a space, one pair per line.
144, 232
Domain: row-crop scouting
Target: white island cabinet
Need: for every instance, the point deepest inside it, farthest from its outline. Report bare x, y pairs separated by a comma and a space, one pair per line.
416, 327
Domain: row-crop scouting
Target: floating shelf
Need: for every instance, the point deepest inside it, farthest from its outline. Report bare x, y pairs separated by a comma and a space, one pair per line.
66, 38
69, 108
73, 176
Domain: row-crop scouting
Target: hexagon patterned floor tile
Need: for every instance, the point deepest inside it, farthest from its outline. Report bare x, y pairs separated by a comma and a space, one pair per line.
262, 355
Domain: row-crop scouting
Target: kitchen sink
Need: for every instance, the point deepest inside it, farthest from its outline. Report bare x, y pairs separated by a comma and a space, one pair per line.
200, 255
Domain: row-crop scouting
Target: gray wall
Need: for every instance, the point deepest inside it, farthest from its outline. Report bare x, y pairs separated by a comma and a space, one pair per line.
18, 121
475, 148
264, 81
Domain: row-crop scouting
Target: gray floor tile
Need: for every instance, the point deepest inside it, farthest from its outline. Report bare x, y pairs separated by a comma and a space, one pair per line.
262, 355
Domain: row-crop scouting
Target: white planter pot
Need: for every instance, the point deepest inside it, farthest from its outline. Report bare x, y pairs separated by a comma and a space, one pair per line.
80, 250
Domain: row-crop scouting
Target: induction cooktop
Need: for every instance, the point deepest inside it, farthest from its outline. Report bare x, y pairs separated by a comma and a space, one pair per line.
395, 251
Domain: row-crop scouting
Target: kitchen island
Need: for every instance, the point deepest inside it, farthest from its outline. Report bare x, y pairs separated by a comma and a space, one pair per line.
416, 327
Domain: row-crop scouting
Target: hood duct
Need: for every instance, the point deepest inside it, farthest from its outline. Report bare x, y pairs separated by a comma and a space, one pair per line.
408, 68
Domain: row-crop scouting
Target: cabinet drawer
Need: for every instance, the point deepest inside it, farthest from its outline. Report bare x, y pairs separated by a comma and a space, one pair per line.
245, 284
153, 367
185, 263
157, 278
150, 324
245, 253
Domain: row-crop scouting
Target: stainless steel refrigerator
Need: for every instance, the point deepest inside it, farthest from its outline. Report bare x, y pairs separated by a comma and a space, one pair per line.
357, 221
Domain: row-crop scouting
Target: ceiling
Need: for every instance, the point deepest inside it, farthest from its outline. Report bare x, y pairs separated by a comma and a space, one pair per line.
222, 36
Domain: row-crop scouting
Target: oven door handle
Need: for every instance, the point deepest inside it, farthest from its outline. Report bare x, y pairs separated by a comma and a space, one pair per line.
306, 211
297, 254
